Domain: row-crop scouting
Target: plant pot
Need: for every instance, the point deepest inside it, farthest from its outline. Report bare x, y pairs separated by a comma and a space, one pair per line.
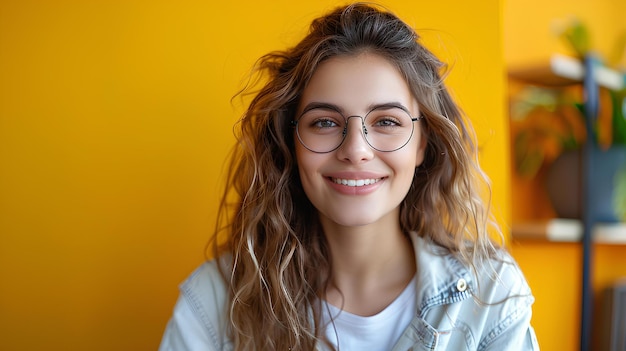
564, 183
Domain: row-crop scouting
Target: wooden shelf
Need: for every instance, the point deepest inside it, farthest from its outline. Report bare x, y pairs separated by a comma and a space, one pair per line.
561, 70
568, 230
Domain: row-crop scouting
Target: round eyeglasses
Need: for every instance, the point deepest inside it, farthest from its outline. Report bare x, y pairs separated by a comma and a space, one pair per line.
322, 128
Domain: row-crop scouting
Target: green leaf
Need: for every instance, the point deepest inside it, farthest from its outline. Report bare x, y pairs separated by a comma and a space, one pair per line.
577, 36
619, 195
619, 117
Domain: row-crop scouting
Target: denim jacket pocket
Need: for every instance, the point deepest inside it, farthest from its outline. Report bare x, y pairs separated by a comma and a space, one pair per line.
421, 336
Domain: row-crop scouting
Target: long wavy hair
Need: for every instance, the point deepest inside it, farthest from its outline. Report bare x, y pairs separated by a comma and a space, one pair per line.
278, 256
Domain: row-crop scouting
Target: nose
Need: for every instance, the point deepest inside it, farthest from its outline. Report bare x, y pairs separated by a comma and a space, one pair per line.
355, 148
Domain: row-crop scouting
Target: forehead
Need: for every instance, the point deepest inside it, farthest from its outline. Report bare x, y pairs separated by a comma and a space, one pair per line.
356, 82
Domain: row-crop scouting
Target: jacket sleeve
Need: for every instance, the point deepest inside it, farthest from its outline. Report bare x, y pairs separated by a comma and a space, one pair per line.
509, 309
198, 321
185, 332
519, 335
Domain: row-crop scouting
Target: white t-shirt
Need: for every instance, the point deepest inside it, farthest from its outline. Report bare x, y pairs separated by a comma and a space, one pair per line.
348, 332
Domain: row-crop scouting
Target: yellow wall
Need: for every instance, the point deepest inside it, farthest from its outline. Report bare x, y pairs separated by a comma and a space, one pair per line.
552, 269
115, 119
529, 27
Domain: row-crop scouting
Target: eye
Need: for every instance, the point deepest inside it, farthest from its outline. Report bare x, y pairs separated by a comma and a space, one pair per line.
322, 123
387, 121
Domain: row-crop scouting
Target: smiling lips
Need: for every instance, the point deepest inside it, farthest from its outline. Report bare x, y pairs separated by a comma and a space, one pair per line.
355, 182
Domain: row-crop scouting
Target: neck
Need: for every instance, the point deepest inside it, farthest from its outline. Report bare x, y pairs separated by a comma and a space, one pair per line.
371, 265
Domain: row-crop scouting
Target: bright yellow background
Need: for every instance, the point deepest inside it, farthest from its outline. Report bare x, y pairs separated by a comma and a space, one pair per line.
115, 120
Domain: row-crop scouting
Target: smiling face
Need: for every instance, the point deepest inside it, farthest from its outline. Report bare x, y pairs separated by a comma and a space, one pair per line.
356, 185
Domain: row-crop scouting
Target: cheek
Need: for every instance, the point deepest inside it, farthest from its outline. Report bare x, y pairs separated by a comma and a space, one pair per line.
404, 162
307, 166
420, 156
421, 149
301, 160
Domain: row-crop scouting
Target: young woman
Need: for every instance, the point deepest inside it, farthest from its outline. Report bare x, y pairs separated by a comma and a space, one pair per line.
358, 223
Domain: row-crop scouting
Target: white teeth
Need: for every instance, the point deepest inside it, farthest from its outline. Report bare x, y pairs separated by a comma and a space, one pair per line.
355, 182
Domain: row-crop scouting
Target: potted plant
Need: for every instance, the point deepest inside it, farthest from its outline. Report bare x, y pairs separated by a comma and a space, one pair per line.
550, 128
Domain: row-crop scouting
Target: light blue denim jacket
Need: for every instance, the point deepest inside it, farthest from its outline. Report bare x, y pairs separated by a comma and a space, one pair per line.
456, 310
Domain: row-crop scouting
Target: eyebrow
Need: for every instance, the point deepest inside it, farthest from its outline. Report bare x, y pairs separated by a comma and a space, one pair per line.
321, 106
332, 107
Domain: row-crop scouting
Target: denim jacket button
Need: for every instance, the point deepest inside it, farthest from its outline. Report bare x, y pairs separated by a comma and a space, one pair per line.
461, 285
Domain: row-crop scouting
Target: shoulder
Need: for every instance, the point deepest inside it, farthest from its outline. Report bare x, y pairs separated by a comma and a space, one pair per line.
490, 300
500, 278
200, 318
206, 281
206, 292
505, 300
501, 285
491, 280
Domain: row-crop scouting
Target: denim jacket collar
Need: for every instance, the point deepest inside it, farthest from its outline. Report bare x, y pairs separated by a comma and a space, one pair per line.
441, 278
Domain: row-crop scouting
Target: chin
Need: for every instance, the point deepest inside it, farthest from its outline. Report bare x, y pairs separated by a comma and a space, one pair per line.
353, 221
